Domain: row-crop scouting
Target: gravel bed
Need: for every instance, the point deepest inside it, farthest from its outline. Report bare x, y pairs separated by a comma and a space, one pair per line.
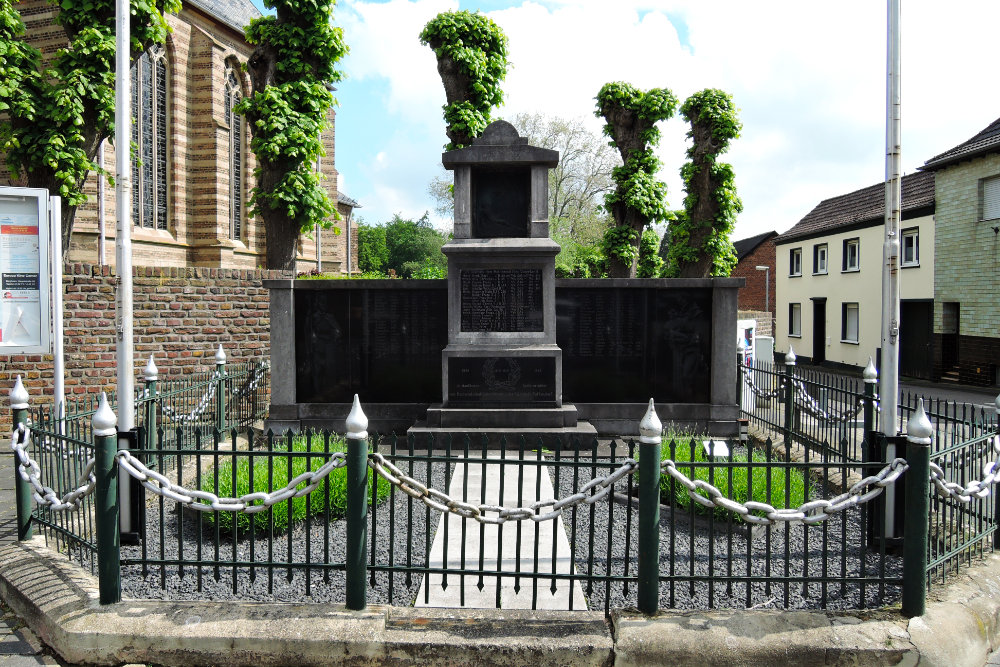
325, 585
685, 546
701, 548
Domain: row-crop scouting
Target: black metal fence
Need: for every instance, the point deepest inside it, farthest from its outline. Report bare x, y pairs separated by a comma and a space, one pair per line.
450, 521
587, 558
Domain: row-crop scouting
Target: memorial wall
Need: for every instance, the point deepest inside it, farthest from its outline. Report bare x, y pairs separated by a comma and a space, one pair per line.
621, 344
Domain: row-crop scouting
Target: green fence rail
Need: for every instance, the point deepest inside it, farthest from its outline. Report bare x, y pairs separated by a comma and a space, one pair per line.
651, 524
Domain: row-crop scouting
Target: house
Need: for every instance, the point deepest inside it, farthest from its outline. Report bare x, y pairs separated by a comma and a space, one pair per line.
829, 279
192, 178
967, 259
756, 298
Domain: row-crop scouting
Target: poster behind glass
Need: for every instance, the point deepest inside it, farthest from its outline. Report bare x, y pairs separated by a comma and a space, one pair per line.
24, 285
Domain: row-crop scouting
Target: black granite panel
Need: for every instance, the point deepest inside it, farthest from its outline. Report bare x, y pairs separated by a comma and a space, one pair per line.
630, 344
500, 203
502, 300
383, 344
501, 381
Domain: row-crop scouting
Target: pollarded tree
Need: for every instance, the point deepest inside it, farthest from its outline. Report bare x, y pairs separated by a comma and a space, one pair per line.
471, 53
57, 116
639, 198
292, 69
699, 238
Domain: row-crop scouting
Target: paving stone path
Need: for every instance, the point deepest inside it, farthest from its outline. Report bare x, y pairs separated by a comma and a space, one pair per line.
500, 546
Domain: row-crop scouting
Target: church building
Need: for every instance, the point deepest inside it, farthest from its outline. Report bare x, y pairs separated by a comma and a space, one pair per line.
193, 172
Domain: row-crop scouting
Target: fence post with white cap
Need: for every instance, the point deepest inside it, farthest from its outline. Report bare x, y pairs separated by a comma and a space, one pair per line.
22, 491
106, 503
220, 389
357, 507
650, 437
919, 433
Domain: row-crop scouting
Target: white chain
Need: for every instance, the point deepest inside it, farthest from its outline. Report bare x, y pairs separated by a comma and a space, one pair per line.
757, 391
29, 471
170, 413
206, 501
810, 513
974, 489
593, 491
810, 405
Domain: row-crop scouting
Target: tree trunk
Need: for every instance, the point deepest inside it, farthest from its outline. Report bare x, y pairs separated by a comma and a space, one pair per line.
456, 89
705, 210
281, 235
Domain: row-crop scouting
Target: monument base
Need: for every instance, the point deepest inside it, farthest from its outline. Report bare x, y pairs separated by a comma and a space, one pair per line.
580, 435
502, 417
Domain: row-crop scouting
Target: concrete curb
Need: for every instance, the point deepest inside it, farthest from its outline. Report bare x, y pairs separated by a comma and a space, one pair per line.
59, 601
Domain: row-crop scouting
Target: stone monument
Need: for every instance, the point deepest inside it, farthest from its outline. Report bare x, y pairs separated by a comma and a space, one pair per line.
501, 368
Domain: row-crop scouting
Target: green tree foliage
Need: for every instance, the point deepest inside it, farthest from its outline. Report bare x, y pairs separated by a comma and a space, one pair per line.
292, 69
402, 248
699, 239
58, 114
650, 262
471, 53
639, 198
373, 254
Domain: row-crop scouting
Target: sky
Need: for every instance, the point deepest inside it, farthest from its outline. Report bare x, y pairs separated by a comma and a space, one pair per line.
808, 78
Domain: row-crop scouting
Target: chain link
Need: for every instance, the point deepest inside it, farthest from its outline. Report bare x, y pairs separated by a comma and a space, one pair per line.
757, 391
592, 492
29, 471
811, 406
975, 488
810, 513
206, 501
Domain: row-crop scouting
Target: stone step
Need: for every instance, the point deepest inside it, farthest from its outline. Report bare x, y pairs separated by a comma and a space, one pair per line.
438, 415
563, 437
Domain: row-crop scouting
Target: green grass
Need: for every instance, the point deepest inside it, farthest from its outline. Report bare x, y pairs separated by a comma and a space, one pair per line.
769, 485
334, 488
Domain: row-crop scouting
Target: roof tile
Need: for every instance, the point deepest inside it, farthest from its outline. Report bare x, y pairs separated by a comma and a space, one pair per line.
865, 205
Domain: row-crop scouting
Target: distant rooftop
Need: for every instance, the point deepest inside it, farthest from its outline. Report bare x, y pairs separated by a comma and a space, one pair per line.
987, 141
234, 13
746, 246
866, 205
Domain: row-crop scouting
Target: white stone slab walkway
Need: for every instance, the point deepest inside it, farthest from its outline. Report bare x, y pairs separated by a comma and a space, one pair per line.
499, 546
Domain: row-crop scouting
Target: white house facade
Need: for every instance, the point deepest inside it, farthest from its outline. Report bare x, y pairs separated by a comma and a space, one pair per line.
829, 279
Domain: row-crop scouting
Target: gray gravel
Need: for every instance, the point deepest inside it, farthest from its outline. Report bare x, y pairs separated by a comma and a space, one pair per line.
282, 583
687, 548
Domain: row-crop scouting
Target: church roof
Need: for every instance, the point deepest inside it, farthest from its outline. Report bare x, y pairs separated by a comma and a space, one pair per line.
234, 13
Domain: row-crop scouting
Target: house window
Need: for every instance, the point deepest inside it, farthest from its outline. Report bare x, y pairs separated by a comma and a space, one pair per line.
852, 255
234, 94
795, 262
149, 137
909, 247
849, 323
795, 319
819, 258
989, 198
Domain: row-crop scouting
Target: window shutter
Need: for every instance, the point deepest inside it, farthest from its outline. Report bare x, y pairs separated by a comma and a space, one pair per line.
991, 198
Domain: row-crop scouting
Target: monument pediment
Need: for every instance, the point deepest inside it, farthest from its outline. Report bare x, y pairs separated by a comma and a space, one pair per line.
500, 143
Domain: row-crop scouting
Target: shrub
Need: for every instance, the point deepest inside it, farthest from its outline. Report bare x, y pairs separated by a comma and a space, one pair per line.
769, 483
334, 487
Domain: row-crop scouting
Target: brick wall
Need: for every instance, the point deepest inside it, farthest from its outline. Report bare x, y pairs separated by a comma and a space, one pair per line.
752, 295
181, 316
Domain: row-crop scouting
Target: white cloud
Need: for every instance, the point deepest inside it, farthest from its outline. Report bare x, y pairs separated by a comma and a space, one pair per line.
809, 79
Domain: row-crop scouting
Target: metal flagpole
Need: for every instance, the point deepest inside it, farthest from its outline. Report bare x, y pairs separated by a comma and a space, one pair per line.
123, 247
889, 373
